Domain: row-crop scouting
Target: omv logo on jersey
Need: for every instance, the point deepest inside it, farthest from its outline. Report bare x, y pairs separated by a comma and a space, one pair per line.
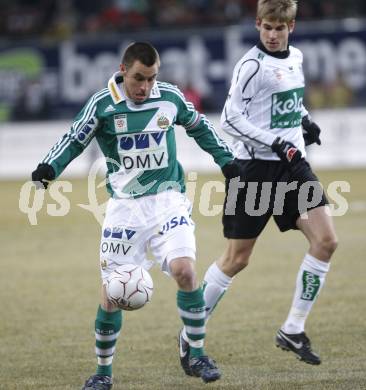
87, 131
147, 150
117, 240
118, 233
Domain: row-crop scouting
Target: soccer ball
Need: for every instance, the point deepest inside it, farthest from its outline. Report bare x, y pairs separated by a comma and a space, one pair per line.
129, 287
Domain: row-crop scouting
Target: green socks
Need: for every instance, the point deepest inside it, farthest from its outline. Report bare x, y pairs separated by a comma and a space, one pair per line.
191, 308
107, 328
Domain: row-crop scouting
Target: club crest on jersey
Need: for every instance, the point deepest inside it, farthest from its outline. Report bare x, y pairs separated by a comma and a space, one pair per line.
163, 122
278, 74
120, 123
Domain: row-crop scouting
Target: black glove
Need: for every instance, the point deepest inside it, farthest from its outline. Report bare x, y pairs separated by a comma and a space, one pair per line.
311, 131
286, 151
231, 169
42, 175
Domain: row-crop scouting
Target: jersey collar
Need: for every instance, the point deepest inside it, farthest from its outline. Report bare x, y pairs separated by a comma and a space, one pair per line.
276, 54
118, 94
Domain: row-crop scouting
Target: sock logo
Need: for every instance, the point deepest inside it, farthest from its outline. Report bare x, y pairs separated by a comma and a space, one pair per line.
311, 285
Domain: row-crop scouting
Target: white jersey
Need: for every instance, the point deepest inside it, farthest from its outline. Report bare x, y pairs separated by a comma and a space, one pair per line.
265, 101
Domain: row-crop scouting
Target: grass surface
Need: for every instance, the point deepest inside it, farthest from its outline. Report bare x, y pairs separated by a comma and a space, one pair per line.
49, 288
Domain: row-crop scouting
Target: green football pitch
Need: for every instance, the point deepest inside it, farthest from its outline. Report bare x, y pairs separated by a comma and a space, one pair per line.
49, 289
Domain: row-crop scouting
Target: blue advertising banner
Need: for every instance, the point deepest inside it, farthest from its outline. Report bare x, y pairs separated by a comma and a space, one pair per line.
43, 81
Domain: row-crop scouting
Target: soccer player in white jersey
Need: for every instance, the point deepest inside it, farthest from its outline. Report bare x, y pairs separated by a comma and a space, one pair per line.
264, 114
133, 122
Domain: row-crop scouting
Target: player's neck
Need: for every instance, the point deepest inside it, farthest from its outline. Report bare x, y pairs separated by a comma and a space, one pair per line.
276, 54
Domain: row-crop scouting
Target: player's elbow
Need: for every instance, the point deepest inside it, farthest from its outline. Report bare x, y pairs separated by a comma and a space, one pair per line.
228, 123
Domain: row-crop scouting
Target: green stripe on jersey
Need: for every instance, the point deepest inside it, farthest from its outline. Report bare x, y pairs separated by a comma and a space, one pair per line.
138, 141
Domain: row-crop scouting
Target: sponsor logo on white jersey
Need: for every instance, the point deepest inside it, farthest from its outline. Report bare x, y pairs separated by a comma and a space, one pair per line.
117, 240
286, 108
146, 150
174, 222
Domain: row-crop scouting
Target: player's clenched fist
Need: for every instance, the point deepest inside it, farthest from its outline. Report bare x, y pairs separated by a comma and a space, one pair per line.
42, 175
311, 131
231, 169
286, 151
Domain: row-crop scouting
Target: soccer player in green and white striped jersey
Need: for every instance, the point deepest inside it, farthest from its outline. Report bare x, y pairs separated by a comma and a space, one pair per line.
133, 122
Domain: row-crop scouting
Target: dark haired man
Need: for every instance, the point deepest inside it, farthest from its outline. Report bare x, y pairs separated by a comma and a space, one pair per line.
133, 122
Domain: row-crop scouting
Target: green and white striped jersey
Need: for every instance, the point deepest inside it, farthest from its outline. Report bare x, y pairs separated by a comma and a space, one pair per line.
138, 139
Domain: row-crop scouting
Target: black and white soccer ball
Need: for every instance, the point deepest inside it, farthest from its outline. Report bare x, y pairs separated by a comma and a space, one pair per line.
129, 287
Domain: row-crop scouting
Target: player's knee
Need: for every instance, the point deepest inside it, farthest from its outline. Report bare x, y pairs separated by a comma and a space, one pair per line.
326, 244
184, 274
330, 244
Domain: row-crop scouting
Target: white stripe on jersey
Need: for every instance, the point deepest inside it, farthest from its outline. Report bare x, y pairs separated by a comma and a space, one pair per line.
213, 131
64, 142
67, 140
77, 124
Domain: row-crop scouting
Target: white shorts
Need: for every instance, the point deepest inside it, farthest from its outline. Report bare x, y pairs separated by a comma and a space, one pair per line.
160, 223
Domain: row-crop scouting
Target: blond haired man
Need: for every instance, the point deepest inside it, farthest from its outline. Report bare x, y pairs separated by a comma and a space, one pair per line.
270, 128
